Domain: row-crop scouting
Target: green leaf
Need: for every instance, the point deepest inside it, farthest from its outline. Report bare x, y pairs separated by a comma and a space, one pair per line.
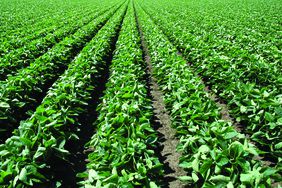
23, 175
195, 165
40, 151
195, 177
278, 146
186, 178
153, 184
93, 175
230, 185
223, 161
269, 117
204, 149
236, 149
243, 109
230, 135
246, 178
127, 96
269, 171
279, 121
185, 164
220, 178
206, 165
5, 176
4, 105
26, 141
4, 152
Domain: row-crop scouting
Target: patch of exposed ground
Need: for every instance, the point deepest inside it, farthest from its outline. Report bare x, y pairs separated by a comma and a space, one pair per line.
167, 140
225, 112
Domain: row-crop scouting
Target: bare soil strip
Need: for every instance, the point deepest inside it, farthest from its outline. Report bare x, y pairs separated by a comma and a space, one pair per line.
220, 103
78, 159
167, 141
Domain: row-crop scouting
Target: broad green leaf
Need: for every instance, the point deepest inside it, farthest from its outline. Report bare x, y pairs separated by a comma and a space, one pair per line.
23, 175
230, 135
230, 185
236, 149
246, 178
153, 185
269, 117
186, 178
185, 164
223, 161
278, 146
204, 149
243, 109
4, 105
269, 172
195, 177
195, 164
220, 178
205, 166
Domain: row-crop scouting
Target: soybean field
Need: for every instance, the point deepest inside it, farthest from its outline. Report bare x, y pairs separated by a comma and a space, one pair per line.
140, 93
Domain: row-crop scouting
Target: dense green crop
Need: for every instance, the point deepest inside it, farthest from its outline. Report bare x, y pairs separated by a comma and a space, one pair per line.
89, 90
243, 69
124, 138
213, 151
29, 150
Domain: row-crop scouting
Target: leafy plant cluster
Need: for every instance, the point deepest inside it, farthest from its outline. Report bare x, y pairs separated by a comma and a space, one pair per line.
25, 157
18, 17
54, 62
22, 57
20, 93
123, 144
10, 39
237, 58
214, 153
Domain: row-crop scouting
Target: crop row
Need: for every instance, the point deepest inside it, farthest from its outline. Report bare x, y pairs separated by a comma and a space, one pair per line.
255, 106
13, 40
22, 57
124, 138
55, 88
17, 16
23, 91
214, 153
27, 157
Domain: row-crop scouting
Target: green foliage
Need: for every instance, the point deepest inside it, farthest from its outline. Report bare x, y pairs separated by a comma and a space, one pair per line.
124, 139
55, 122
20, 92
214, 153
237, 55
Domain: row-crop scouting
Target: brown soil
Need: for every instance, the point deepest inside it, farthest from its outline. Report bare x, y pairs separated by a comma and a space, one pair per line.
224, 108
226, 116
167, 141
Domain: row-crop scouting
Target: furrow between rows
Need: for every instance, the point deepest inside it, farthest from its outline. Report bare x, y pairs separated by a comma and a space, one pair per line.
24, 91
30, 157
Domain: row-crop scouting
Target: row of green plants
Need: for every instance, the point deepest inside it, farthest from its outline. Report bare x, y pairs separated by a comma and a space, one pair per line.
21, 15
22, 57
25, 158
213, 152
123, 145
24, 91
251, 87
11, 40
253, 57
